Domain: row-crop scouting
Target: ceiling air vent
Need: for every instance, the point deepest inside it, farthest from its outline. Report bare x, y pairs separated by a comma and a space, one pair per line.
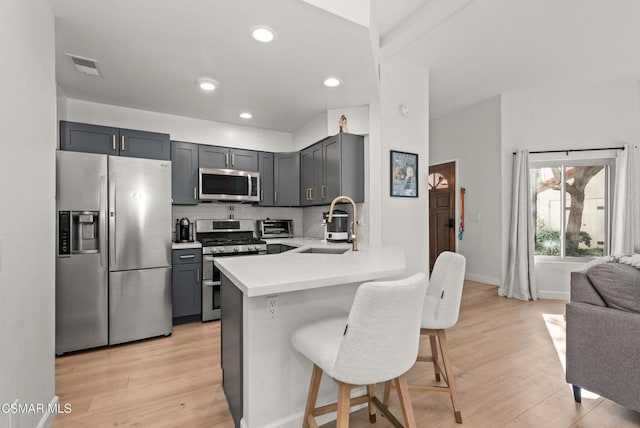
85, 65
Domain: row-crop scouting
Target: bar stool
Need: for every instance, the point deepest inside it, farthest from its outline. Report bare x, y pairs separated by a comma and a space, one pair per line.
378, 341
440, 311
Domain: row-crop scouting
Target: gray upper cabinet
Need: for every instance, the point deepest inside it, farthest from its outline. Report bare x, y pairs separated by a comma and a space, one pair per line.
311, 175
184, 173
83, 137
333, 167
343, 168
141, 144
286, 179
265, 168
213, 156
228, 158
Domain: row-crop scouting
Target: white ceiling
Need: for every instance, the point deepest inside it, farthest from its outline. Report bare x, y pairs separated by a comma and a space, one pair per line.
151, 51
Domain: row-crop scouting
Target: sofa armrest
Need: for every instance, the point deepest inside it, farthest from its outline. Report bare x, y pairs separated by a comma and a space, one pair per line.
583, 291
603, 345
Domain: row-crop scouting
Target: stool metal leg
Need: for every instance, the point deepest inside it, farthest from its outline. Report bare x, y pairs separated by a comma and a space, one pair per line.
312, 397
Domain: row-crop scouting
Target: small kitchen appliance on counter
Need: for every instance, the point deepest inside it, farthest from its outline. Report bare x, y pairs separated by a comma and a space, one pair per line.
338, 229
184, 230
269, 228
222, 238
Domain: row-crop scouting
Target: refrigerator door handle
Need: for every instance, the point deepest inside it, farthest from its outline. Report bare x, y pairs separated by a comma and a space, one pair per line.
112, 224
102, 221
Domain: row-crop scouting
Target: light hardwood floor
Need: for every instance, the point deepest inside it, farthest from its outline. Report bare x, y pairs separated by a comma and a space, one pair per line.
508, 371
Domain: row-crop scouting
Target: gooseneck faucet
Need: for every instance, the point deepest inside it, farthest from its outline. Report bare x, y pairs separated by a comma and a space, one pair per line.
354, 229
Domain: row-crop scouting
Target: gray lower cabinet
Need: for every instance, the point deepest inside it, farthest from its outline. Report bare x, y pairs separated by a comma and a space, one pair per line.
231, 349
333, 167
227, 158
187, 288
83, 137
265, 168
184, 173
286, 179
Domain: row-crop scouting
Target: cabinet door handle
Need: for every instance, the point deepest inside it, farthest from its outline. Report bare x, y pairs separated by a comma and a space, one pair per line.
311, 191
322, 191
233, 159
262, 195
226, 159
275, 196
197, 275
195, 192
122, 145
113, 142
188, 256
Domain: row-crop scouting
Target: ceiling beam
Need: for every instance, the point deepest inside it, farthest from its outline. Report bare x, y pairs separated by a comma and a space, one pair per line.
425, 19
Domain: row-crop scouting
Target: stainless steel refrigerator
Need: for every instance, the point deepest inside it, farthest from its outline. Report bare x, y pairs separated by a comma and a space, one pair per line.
113, 273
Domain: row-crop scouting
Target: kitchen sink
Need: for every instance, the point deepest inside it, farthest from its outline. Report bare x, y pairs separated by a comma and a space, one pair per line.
325, 250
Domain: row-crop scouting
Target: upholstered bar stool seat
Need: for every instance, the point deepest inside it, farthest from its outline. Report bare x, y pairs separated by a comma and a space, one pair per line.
376, 342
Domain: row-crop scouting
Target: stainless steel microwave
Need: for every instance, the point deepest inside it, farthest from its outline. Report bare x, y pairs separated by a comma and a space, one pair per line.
229, 185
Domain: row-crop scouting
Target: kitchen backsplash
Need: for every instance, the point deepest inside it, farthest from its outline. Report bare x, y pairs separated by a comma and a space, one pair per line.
219, 210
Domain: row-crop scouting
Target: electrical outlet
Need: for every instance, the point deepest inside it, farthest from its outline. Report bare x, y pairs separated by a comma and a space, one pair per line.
272, 307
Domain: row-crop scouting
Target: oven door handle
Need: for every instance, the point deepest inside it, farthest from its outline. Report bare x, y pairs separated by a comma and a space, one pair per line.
207, 258
209, 283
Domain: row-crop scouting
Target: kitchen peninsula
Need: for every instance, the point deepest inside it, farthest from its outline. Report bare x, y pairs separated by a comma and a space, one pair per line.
265, 299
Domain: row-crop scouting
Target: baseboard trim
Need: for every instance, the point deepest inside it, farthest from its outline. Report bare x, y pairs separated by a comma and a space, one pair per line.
48, 417
482, 278
554, 295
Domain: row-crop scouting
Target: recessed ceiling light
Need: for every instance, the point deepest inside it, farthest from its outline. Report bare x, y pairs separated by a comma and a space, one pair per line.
246, 115
263, 34
207, 83
332, 82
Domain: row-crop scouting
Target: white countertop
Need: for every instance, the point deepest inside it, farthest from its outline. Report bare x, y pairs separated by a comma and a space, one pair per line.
185, 245
294, 270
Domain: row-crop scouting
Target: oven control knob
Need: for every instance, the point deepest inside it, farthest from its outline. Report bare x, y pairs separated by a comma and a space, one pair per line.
216, 250
252, 248
236, 249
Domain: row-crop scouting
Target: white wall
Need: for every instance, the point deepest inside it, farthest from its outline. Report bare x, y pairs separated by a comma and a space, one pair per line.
472, 137
326, 124
27, 200
403, 221
568, 117
181, 128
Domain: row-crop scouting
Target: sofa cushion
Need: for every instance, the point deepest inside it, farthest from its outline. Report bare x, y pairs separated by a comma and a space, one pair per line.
618, 284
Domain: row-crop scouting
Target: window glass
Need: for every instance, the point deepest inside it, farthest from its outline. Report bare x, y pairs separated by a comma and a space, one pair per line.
437, 181
570, 207
585, 209
547, 184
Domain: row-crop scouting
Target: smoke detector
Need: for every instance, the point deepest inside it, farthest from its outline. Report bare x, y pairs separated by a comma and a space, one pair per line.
85, 65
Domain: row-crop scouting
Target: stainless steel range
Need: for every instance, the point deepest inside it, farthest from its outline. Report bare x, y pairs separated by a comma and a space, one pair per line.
222, 238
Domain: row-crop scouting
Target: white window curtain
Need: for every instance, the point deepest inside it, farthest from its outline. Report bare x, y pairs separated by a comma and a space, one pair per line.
520, 282
625, 221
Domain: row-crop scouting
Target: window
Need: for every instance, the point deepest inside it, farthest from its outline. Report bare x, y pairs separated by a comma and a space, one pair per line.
571, 207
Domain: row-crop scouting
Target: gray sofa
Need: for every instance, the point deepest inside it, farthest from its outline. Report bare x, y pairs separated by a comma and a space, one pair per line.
603, 333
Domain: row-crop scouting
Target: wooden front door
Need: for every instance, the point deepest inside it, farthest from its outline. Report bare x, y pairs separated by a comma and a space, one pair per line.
442, 202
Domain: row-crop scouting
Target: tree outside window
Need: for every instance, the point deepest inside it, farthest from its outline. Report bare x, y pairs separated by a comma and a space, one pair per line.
570, 205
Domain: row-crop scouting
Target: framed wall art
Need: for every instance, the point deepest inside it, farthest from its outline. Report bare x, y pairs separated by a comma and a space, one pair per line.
404, 174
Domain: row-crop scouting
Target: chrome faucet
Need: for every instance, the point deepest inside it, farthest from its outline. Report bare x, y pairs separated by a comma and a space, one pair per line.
354, 228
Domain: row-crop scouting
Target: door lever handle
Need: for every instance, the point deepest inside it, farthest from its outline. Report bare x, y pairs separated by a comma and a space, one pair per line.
451, 223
